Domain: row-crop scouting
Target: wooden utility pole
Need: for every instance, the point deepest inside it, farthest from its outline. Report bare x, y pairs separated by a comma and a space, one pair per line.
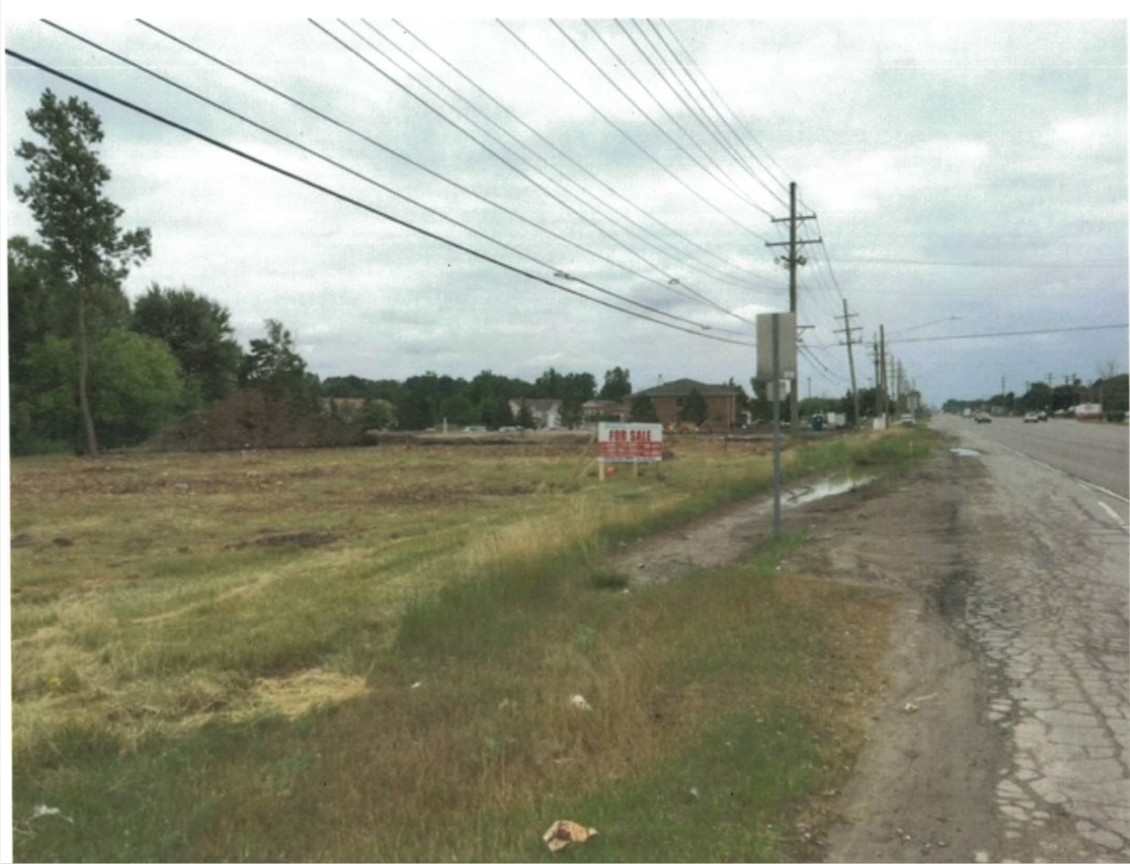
792, 261
883, 374
847, 331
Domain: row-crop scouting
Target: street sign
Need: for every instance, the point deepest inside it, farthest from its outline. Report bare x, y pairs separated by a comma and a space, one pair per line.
786, 334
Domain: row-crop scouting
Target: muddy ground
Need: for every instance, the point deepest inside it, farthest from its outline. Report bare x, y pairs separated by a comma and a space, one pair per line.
923, 787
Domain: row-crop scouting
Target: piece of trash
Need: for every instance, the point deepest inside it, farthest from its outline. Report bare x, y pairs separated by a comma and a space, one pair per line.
42, 810
507, 705
416, 685
564, 832
694, 792
579, 701
910, 707
927, 698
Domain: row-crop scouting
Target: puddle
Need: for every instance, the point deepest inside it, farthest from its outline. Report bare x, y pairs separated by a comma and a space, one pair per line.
824, 489
964, 451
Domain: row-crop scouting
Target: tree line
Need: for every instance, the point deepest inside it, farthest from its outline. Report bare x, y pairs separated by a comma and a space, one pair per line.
88, 369
1110, 390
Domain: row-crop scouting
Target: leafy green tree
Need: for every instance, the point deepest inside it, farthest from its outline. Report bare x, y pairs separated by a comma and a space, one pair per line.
694, 408
643, 410
138, 386
376, 414
135, 387
36, 304
458, 410
274, 366
617, 384
525, 417
88, 252
199, 333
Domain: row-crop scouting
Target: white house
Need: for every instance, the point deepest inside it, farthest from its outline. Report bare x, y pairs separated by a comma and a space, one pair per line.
546, 412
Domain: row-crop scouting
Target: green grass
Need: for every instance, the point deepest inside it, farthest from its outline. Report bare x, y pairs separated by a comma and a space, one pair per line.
193, 704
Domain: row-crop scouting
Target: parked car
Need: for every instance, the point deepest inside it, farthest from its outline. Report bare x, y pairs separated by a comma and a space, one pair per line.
1031, 417
982, 417
1042, 416
907, 420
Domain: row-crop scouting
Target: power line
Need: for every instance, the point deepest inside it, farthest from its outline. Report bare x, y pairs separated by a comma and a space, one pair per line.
1073, 265
348, 200
697, 111
783, 183
1012, 333
718, 273
121, 58
731, 184
392, 152
671, 284
671, 281
627, 137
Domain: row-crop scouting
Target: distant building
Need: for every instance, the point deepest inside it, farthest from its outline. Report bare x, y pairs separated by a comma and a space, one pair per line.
596, 410
546, 412
669, 398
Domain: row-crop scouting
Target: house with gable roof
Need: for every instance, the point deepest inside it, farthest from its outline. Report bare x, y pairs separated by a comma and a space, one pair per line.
670, 397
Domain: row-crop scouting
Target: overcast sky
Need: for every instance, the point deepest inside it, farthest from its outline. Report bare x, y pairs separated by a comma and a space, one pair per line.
969, 177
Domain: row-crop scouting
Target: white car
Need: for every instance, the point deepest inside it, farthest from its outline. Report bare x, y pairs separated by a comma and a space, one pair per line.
1031, 417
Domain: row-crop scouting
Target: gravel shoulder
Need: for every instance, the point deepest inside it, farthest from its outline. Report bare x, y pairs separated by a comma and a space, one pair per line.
1001, 727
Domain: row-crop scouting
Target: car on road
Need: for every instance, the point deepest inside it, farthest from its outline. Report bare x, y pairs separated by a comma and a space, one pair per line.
906, 420
982, 417
1031, 417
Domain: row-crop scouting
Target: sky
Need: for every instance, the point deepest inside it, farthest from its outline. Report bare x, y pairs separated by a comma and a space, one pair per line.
967, 178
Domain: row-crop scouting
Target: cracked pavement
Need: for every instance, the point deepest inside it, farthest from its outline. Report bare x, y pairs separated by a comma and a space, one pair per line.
1047, 616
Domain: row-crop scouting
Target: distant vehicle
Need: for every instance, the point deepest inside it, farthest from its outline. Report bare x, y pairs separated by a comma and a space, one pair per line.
1042, 416
474, 428
982, 417
907, 420
1031, 417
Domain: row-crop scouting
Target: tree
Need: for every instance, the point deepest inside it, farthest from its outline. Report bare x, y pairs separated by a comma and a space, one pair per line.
88, 252
694, 408
134, 382
643, 410
617, 384
199, 333
274, 366
35, 302
525, 417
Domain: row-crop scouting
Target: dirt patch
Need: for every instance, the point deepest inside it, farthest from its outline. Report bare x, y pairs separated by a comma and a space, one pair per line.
923, 784
299, 540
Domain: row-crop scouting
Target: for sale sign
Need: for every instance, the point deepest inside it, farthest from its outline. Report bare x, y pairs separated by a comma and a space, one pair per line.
630, 442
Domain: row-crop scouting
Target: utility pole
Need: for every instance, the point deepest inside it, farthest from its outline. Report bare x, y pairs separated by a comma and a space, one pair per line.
883, 373
847, 331
792, 261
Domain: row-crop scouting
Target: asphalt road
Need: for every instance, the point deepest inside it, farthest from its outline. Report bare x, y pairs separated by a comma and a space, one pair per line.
1098, 453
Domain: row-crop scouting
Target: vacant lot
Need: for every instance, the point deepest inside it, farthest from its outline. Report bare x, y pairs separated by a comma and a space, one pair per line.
373, 654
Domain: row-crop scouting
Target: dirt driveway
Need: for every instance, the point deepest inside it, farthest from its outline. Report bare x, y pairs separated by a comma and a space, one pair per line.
1001, 732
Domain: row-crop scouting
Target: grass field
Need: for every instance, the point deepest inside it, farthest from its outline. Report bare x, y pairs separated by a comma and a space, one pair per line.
371, 654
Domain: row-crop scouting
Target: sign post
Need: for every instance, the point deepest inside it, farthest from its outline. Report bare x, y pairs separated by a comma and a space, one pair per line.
776, 360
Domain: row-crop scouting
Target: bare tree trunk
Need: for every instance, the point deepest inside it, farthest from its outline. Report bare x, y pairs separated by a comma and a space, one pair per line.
84, 376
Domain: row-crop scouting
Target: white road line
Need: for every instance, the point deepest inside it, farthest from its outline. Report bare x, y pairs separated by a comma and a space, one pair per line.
1104, 490
1093, 486
1110, 512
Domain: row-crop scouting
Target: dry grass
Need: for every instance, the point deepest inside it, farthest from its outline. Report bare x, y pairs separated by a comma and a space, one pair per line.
416, 620
138, 579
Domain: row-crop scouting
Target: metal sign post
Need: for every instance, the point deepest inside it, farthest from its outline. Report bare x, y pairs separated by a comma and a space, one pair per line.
776, 426
776, 360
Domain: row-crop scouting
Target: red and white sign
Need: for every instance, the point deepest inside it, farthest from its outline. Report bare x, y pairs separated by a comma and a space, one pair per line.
630, 442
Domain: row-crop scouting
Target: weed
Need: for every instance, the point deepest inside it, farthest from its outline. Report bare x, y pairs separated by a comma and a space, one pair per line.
405, 691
